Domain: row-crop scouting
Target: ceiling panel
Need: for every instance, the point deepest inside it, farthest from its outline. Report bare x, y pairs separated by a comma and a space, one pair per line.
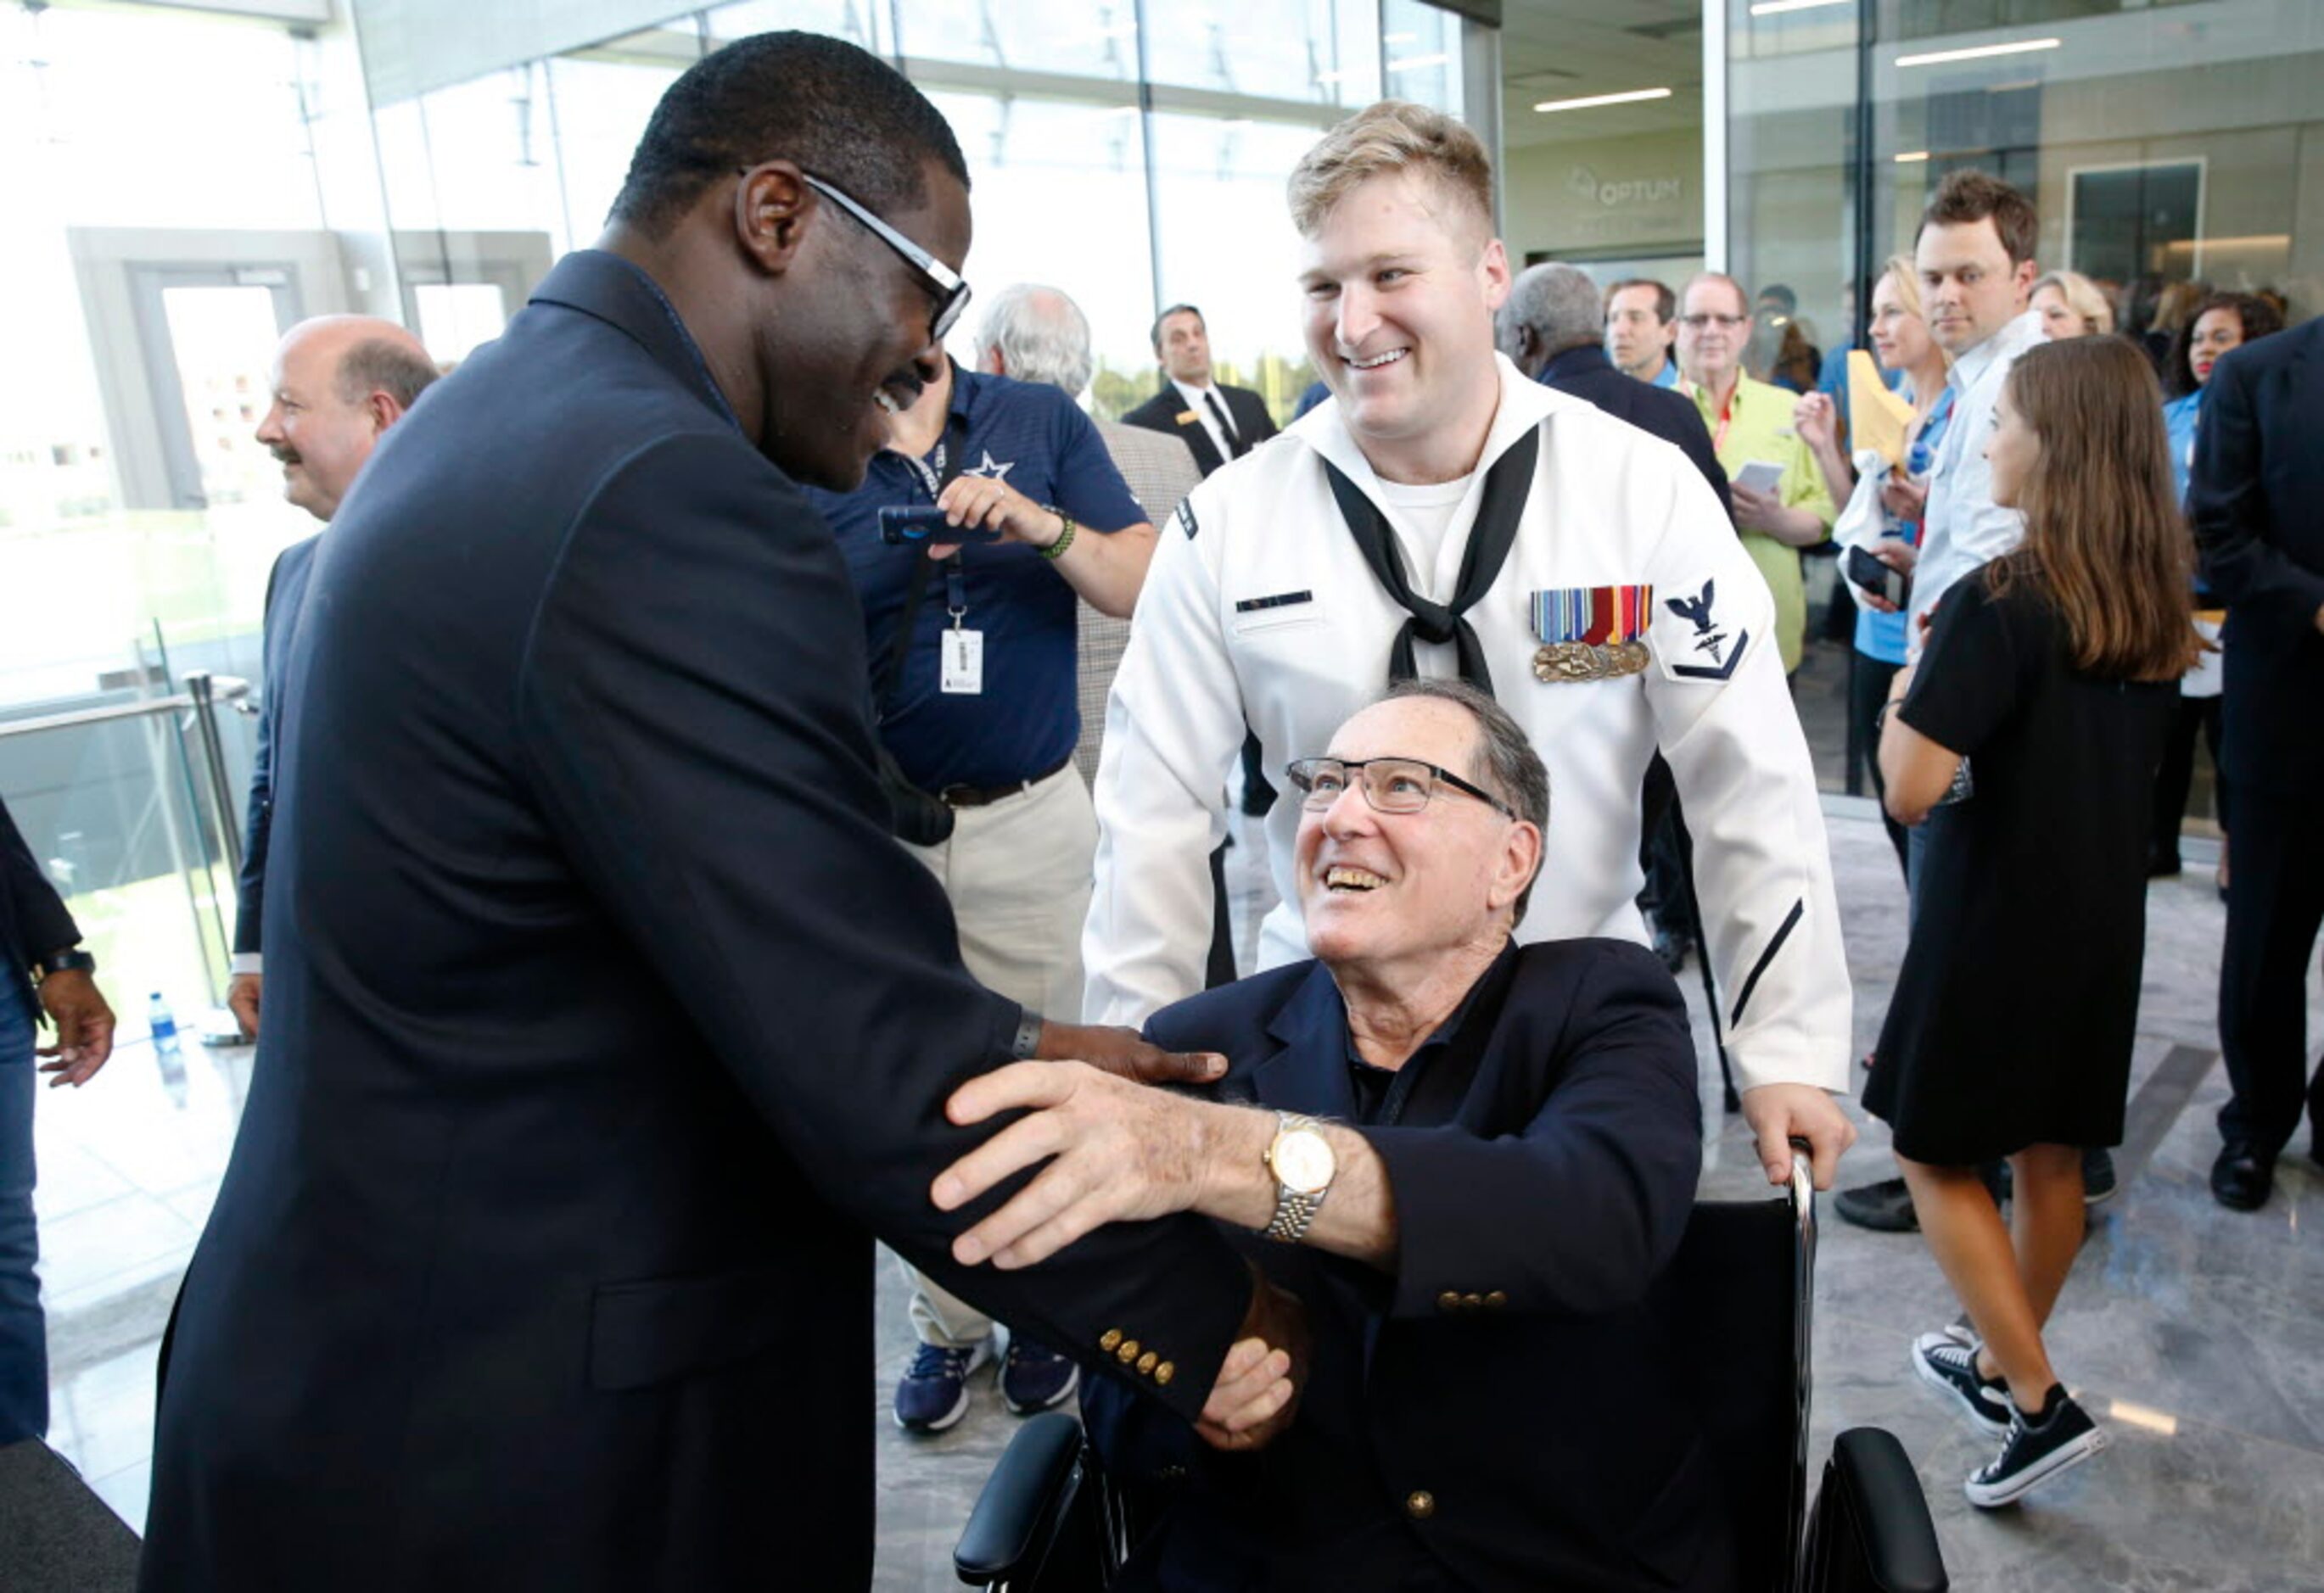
1565, 49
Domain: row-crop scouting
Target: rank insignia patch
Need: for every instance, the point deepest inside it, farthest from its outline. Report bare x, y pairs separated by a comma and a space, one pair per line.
1591, 632
1716, 654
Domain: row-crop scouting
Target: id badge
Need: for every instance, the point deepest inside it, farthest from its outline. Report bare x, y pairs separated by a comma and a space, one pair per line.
962, 673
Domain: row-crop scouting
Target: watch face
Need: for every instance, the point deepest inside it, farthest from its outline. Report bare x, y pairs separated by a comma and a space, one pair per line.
1302, 1160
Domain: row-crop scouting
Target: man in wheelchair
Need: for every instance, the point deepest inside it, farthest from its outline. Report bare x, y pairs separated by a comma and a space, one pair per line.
1470, 1159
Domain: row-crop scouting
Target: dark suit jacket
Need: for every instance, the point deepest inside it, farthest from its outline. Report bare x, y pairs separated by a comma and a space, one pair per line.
286, 591
614, 1026
1543, 1161
2256, 499
33, 921
1586, 372
1167, 411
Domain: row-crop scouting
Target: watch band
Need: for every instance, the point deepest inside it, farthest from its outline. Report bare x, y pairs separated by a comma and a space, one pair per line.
1294, 1210
1029, 1037
1294, 1214
65, 960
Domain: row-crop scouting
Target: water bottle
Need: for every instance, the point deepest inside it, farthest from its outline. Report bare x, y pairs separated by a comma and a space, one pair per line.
164, 1025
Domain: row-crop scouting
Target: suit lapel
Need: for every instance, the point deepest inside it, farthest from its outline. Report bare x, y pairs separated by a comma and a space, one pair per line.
1309, 1071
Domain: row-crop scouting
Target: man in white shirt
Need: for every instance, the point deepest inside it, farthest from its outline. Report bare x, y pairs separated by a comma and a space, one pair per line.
1218, 422
1975, 261
1441, 514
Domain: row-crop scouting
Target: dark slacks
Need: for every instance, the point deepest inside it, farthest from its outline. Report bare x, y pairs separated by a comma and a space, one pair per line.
2176, 775
1219, 968
2275, 905
1666, 854
1868, 680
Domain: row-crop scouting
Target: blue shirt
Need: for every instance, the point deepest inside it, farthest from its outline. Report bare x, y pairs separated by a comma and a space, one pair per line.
2178, 418
1668, 377
1882, 635
1026, 720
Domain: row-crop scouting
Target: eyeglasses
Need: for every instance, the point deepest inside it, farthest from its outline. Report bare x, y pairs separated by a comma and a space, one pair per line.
950, 292
1698, 320
1391, 785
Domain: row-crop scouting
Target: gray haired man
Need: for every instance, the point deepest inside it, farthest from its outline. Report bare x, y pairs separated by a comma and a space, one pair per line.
1038, 333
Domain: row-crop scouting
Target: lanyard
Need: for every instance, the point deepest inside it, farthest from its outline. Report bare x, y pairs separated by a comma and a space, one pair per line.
1726, 419
955, 590
931, 479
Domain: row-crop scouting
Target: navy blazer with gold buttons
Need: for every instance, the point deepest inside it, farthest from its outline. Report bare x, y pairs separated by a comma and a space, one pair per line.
1499, 1411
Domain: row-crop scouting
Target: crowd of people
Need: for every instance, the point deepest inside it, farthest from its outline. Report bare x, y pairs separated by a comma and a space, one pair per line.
735, 779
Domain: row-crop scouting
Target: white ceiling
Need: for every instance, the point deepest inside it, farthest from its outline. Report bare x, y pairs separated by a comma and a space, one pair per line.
1565, 49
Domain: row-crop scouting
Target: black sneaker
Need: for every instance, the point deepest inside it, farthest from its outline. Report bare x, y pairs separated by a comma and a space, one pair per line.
1035, 1379
2098, 1177
1885, 1207
1947, 1362
2036, 1451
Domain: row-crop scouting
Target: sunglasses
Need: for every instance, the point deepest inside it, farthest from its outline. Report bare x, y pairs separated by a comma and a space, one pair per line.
945, 286
950, 292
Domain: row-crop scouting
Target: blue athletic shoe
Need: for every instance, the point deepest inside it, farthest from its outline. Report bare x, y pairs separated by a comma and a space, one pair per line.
934, 1394
1036, 1379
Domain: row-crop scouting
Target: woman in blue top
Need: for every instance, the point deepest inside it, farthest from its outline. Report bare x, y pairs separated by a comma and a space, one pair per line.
2222, 322
1883, 512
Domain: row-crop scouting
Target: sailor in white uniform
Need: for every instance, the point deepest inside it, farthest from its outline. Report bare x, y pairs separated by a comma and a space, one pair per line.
1441, 515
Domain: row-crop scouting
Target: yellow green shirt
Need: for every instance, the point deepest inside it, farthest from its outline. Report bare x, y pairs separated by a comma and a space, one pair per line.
1759, 427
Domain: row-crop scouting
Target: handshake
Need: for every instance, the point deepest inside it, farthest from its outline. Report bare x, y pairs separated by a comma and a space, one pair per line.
1121, 1152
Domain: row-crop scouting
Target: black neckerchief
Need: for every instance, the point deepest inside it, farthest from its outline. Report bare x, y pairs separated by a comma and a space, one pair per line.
1507, 484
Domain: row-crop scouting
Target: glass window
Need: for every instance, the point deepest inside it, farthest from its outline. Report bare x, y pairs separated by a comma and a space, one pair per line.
1321, 51
1228, 245
1058, 192
1071, 38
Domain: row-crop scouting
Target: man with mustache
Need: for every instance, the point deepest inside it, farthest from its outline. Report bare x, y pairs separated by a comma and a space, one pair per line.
615, 1023
338, 382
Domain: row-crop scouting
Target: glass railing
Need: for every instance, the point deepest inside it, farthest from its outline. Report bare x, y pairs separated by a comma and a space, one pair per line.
130, 803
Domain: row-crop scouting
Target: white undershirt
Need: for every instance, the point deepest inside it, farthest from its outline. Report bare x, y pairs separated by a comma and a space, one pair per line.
1420, 516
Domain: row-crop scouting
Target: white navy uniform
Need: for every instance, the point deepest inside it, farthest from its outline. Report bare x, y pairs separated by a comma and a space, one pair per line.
1259, 605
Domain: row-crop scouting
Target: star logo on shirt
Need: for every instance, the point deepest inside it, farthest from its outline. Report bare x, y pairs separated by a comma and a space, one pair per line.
987, 468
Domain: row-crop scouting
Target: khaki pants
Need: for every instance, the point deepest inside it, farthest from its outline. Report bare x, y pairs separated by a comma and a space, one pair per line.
1018, 872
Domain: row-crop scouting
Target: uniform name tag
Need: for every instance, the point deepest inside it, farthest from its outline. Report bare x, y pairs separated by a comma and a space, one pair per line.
1280, 600
963, 662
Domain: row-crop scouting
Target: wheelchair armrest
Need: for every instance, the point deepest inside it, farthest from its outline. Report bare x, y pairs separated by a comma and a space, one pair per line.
1871, 1528
1024, 1502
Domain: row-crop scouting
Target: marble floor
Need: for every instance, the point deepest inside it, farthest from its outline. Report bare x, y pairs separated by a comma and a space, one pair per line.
2195, 1334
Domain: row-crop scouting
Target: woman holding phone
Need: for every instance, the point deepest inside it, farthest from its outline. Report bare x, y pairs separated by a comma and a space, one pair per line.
1883, 516
2054, 670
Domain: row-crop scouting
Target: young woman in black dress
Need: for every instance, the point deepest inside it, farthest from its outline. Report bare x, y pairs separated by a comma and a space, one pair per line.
2053, 671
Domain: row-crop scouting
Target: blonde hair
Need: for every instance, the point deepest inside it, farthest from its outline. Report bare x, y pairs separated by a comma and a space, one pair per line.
1381, 140
2082, 296
1906, 272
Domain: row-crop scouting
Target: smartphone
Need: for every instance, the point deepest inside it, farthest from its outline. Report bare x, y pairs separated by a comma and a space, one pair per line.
1759, 475
922, 523
1875, 575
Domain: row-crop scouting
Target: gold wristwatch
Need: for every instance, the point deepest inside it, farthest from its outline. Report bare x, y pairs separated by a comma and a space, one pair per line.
1303, 1165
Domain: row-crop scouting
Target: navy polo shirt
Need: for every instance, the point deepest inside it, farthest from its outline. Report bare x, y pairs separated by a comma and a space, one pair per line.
1027, 719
